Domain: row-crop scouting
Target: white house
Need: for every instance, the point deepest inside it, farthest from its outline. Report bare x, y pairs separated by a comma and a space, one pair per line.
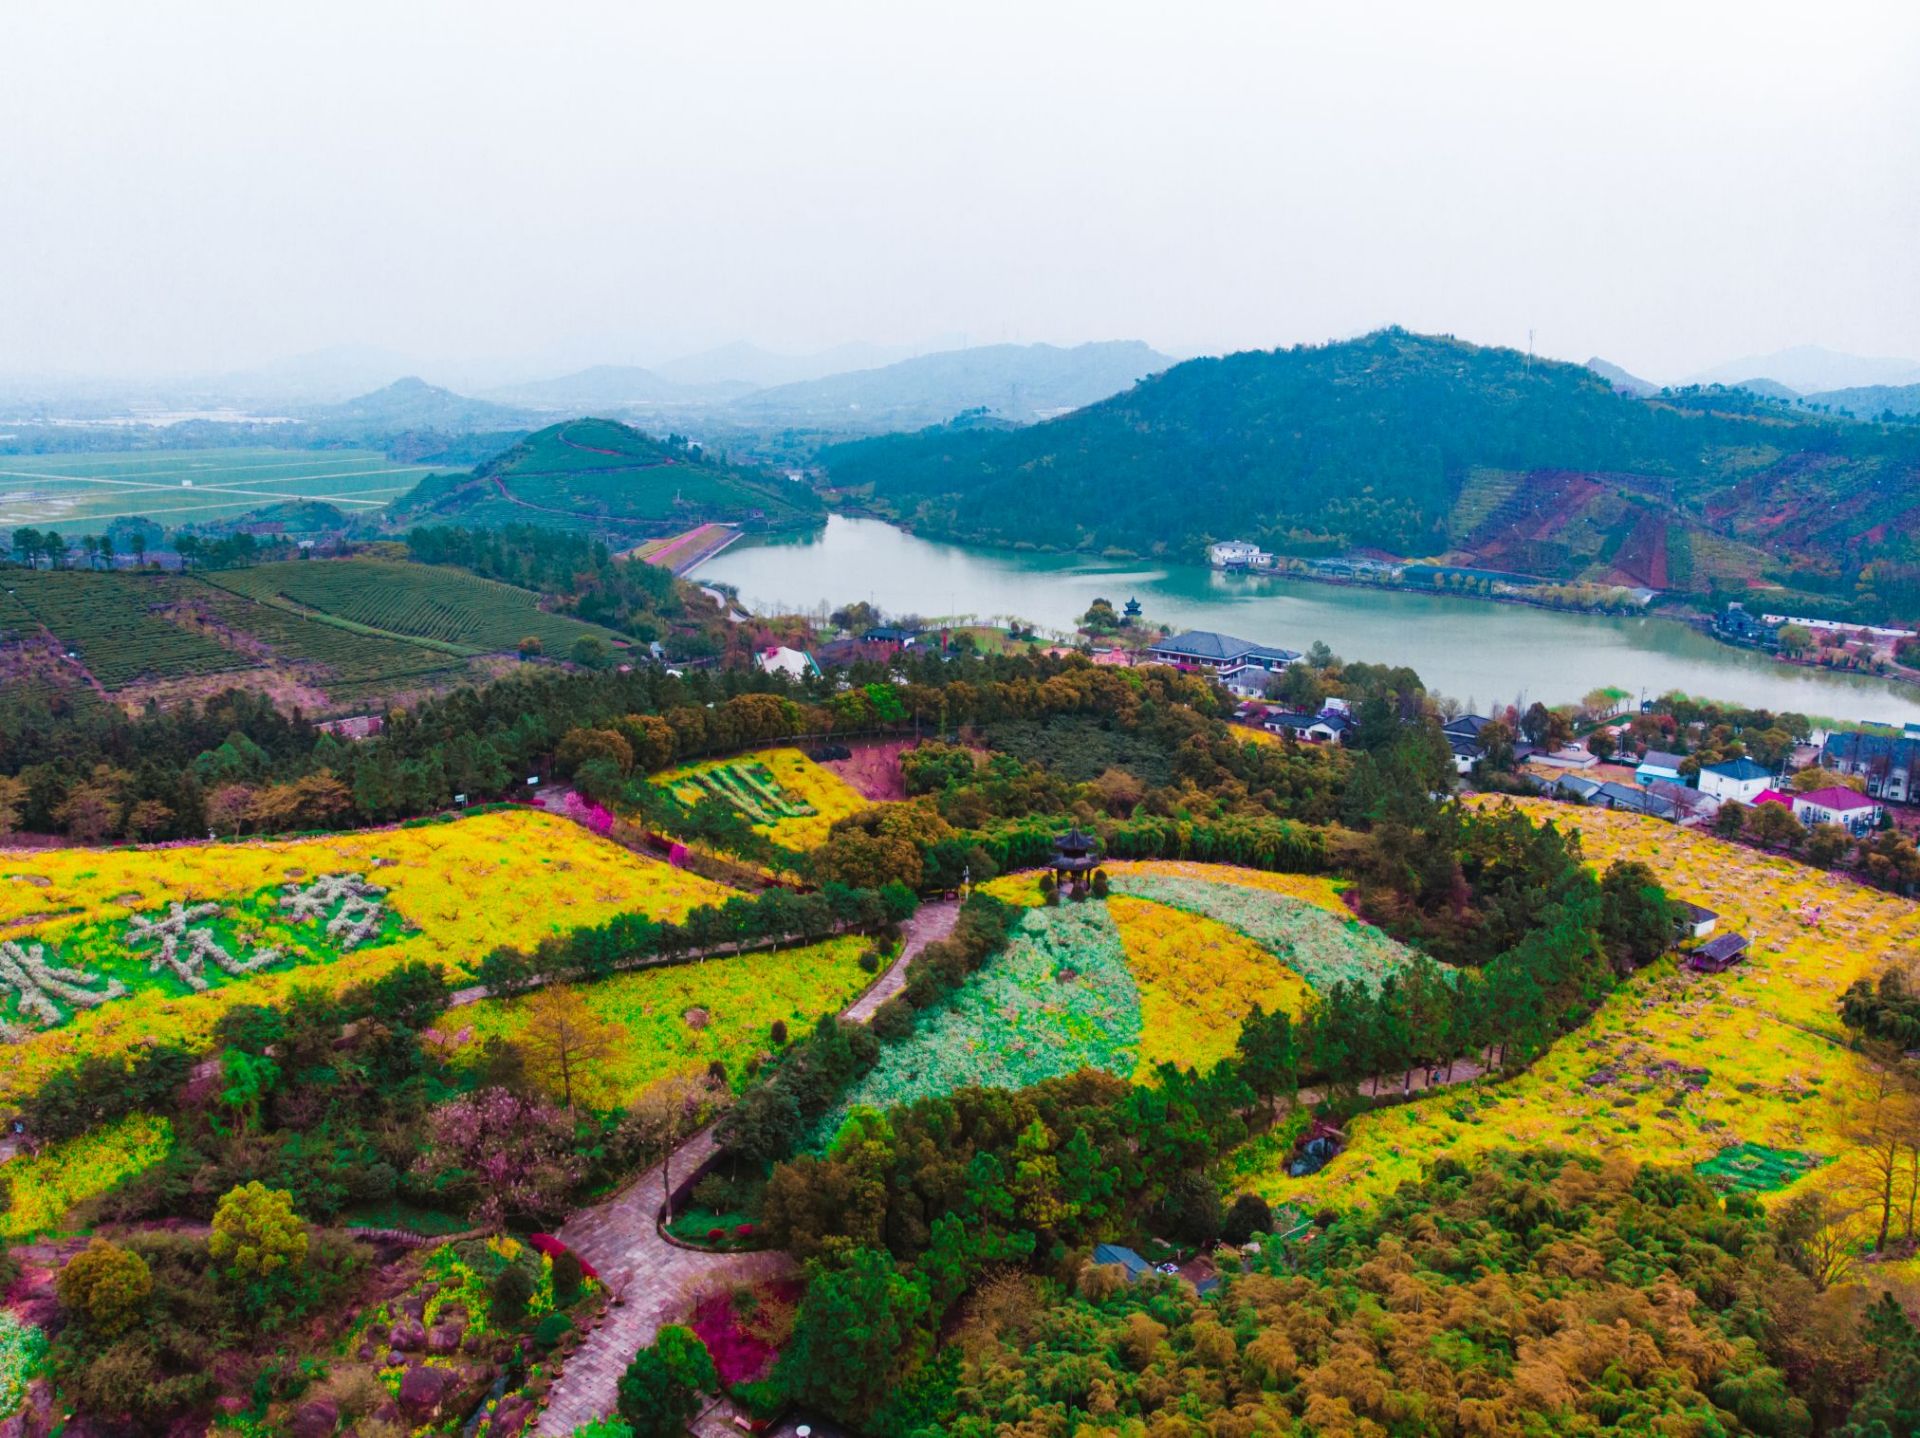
1850, 809
1234, 554
1741, 780
778, 659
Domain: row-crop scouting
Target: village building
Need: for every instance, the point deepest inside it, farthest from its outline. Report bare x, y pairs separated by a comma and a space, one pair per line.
1693, 921
1741, 780
1463, 737
778, 659
1886, 761
1576, 788
1235, 554
1736, 625
1850, 809
1658, 764
1719, 954
1240, 664
1329, 726
1632, 799
1772, 796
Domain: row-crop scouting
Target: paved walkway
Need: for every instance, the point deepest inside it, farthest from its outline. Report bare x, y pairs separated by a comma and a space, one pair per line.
653, 1281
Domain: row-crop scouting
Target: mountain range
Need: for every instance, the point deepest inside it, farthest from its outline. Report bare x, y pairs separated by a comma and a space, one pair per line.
1423, 446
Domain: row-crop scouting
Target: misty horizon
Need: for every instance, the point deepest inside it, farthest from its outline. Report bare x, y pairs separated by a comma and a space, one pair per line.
211, 191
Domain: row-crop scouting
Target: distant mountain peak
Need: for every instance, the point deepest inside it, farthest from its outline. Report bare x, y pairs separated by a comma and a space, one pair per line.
1622, 380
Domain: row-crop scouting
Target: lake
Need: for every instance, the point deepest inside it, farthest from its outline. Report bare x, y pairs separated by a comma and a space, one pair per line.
1476, 651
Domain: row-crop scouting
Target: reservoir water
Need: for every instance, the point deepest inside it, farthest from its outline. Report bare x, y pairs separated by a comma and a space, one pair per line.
1470, 649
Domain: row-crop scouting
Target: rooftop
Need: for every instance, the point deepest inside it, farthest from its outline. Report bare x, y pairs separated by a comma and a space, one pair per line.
1219, 648
1724, 947
1837, 799
1661, 759
1740, 769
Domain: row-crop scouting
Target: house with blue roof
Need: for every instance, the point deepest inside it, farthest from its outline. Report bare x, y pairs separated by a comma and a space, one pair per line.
1741, 780
1658, 764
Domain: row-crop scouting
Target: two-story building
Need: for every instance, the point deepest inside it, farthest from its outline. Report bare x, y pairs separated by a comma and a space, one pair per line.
1850, 809
1240, 664
1886, 761
1741, 780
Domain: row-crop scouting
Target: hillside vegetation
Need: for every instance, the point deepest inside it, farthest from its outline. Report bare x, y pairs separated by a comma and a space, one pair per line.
1422, 446
608, 479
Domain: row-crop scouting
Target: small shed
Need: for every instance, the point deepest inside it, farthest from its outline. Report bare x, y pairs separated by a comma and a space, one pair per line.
1119, 1253
1718, 955
1693, 921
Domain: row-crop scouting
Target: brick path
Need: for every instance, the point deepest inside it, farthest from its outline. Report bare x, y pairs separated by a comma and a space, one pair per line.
654, 1281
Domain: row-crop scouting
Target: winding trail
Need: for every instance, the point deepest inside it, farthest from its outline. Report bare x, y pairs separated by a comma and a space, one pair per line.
654, 1281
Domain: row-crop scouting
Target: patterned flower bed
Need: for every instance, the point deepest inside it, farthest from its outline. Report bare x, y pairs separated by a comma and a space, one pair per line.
1057, 999
48, 1183
782, 792
1198, 979
1323, 948
1673, 1064
734, 1001
1755, 1168
186, 931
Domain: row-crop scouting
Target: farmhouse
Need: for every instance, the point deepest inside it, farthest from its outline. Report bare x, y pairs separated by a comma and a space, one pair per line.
1718, 955
1463, 737
1658, 764
1738, 779
1634, 800
1119, 1253
887, 634
1576, 788
778, 659
1886, 761
1329, 726
1851, 810
1240, 664
1692, 921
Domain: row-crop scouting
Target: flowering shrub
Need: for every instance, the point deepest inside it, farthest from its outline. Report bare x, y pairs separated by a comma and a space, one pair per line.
1321, 947
48, 1183
452, 891
515, 1154
1057, 999
742, 997
783, 793
1673, 1064
22, 1347
1197, 979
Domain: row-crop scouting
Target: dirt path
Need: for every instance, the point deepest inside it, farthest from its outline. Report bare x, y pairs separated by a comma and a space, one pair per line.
654, 1281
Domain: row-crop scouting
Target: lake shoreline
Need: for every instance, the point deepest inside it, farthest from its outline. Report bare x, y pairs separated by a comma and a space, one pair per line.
1494, 653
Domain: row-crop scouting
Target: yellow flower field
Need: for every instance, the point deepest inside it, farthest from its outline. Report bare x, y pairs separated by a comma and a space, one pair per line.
461, 888
742, 998
1674, 1066
1198, 979
830, 796
48, 1183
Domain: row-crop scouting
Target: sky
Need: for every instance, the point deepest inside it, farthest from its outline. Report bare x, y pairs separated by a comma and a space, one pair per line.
209, 186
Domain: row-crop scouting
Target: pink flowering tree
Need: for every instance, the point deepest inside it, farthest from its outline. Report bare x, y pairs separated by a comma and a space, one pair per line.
514, 1155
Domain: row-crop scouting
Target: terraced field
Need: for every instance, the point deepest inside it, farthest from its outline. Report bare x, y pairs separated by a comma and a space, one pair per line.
122, 627
424, 603
126, 628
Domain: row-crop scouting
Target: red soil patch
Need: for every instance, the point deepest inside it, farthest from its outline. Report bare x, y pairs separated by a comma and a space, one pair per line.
874, 768
739, 1356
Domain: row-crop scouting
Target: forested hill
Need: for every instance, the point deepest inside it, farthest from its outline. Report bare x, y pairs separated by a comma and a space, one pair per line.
601, 477
1417, 445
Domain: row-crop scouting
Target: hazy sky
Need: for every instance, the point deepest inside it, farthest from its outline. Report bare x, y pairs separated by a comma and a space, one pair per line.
203, 185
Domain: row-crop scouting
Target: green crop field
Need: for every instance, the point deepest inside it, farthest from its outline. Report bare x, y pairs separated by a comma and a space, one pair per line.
465, 613
128, 627
121, 626
80, 493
